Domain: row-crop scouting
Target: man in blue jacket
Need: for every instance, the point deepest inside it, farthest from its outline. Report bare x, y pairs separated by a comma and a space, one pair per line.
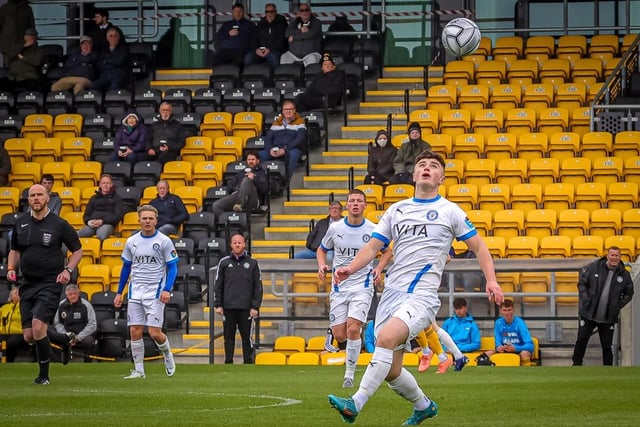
171, 210
463, 329
512, 335
233, 39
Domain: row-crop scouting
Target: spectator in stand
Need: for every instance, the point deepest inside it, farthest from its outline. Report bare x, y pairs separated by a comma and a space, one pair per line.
104, 211
329, 83
11, 327
233, 39
166, 136
113, 64
55, 202
100, 32
405, 156
131, 140
16, 16
75, 319
171, 210
304, 35
23, 61
5, 166
315, 236
80, 68
285, 138
268, 42
512, 335
380, 161
247, 188
462, 328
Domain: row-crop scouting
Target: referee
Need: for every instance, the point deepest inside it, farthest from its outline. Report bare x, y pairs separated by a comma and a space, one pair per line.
36, 247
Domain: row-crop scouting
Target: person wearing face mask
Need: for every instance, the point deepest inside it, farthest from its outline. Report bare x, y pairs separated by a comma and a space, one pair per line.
380, 162
406, 155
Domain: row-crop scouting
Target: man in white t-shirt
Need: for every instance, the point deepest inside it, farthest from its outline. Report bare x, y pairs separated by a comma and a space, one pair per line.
150, 262
422, 229
349, 301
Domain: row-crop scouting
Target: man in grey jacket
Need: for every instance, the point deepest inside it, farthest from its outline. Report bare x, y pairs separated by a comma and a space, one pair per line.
305, 38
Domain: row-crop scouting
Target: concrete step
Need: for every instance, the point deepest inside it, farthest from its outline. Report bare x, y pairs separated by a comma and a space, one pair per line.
282, 233
398, 72
183, 74
270, 244
337, 169
376, 119
392, 107
331, 182
415, 94
363, 131
189, 84
315, 193
400, 83
345, 157
350, 144
297, 219
306, 207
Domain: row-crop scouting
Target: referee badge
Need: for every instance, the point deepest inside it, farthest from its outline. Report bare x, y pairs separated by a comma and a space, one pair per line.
46, 239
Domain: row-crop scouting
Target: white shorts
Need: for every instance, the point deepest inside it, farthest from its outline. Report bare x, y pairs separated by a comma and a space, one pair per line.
148, 312
349, 304
416, 311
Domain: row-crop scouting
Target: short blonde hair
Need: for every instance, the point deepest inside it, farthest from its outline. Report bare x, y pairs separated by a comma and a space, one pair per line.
147, 208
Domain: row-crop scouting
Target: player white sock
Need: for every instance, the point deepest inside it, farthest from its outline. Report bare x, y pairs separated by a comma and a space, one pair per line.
448, 342
375, 374
353, 351
426, 351
407, 387
165, 348
137, 351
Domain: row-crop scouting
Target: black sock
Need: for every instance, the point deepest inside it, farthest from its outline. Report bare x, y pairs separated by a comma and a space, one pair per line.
43, 350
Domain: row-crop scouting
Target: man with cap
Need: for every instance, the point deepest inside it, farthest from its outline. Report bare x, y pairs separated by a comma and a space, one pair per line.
24, 61
80, 68
380, 162
329, 83
406, 155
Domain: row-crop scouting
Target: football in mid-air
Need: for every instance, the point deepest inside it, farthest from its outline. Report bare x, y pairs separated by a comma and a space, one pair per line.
461, 36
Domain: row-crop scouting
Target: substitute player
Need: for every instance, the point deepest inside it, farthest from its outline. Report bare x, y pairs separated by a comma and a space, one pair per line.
422, 229
349, 301
150, 258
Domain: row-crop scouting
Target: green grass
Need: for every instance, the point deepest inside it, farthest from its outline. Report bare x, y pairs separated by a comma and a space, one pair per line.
96, 395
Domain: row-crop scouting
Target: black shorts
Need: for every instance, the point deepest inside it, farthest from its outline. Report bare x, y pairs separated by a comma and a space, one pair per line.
38, 301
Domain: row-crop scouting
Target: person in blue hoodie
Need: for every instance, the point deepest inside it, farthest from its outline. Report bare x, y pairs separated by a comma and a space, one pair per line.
233, 39
512, 335
463, 329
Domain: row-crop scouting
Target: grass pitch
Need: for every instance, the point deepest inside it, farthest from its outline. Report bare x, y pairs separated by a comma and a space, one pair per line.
245, 395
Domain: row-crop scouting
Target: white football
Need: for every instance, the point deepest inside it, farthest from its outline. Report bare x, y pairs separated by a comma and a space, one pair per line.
461, 37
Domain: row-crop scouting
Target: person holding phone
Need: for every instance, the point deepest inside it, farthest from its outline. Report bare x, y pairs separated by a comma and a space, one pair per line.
233, 38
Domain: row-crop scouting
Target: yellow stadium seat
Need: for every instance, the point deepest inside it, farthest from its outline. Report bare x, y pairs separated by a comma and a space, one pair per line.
37, 126
70, 197
288, 344
520, 120
575, 170
455, 122
480, 171
571, 96
75, 219
90, 251
398, 140
271, 358
19, 150
365, 358
558, 196
627, 41
85, 196
567, 288
573, 222
465, 195
332, 359
632, 169
605, 222
196, 149
485, 48
631, 223
538, 96
428, 120
440, 143
129, 224
66, 125
410, 359
607, 170
553, 120
396, 192
116, 270
473, 97
627, 245
534, 283
247, 124
509, 45
533, 145
481, 219
508, 223
555, 71
148, 194
491, 72
587, 246
587, 71
540, 47
86, 174
111, 251
76, 149
522, 247
544, 171
590, 196
316, 344
540, 223
596, 144
303, 359
523, 72
61, 172
441, 97
622, 195
626, 144
574, 44
555, 247
603, 44
177, 173
46, 150
458, 73
191, 197
454, 172
564, 145
526, 197
580, 121
494, 197
374, 216
487, 122
500, 146
24, 175
94, 278
374, 194
496, 245
227, 149
207, 174
9, 200
468, 146
505, 97
215, 124
512, 171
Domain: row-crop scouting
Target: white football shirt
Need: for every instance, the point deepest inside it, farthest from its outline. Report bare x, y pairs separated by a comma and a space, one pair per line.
149, 257
422, 231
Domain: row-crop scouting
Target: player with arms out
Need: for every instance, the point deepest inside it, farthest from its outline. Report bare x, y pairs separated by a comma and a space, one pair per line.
150, 261
349, 301
422, 229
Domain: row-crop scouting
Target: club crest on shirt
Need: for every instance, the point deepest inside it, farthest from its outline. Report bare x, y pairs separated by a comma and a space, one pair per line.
156, 246
432, 215
619, 279
246, 265
366, 238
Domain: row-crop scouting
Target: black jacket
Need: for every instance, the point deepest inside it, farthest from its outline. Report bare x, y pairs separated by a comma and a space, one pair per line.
590, 286
260, 180
317, 233
107, 207
380, 162
238, 283
271, 34
170, 130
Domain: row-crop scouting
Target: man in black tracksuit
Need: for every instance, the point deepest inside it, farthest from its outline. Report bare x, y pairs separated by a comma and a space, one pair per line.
237, 297
605, 286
